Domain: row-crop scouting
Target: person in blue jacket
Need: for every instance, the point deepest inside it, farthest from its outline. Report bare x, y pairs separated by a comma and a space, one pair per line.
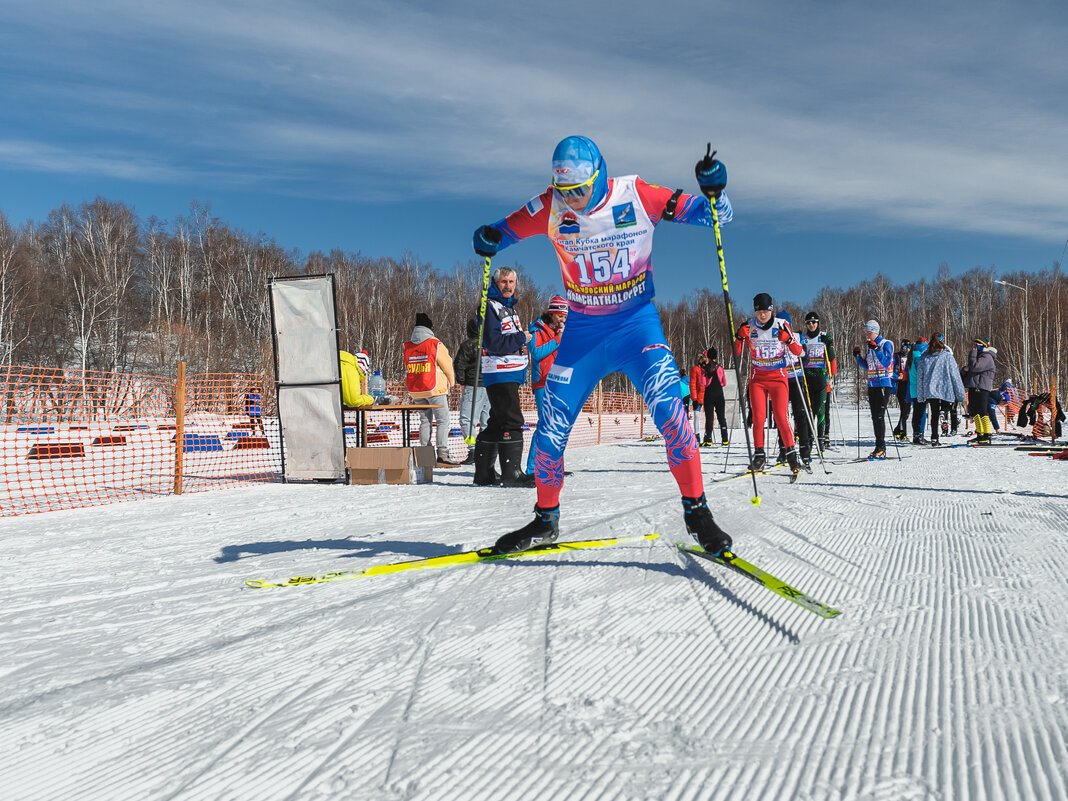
504, 368
878, 362
919, 412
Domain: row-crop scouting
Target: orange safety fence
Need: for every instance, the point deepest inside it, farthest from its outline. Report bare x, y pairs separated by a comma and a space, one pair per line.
72, 438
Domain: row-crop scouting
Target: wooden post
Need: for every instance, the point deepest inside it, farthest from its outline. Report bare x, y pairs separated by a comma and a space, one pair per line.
599, 405
1053, 416
179, 427
639, 405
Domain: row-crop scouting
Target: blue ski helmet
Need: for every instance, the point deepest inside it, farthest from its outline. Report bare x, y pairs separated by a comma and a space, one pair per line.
577, 164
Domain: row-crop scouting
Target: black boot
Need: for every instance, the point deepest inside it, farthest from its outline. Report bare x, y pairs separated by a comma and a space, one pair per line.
793, 460
542, 530
699, 522
758, 462
512, 474
470, 457
485, 456
724, 439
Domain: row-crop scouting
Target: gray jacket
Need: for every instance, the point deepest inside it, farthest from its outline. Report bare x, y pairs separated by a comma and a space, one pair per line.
937, 376
980, 370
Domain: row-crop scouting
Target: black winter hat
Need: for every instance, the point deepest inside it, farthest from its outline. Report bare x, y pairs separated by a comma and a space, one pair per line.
423, 320
711, 353
762, 302
812, 317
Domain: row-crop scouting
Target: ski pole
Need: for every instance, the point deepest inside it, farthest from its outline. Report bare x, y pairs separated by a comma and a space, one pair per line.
741, 416
730, 322
807, 403
470, 437
858, 406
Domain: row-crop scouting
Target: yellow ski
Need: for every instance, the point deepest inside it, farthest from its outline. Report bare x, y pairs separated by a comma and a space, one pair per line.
451, 560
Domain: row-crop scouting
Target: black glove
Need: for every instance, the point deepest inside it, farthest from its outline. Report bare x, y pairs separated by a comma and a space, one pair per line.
487, 241
711, 174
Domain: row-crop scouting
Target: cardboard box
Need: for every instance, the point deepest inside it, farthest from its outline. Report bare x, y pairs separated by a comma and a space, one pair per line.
391, 465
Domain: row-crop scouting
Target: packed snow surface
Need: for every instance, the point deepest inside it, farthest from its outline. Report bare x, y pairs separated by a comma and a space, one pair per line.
138, 665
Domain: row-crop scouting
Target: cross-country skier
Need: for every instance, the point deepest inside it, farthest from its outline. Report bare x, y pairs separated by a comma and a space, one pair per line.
878, 362
602, 230
771, 343
820, 367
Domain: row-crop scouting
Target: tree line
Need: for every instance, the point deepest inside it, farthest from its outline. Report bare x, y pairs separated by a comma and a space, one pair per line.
94, 287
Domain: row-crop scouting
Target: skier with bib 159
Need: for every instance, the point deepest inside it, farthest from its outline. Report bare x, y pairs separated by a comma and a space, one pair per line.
602, 230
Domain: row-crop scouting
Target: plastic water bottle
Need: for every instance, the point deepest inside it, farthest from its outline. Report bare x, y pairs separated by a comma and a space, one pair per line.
377, 385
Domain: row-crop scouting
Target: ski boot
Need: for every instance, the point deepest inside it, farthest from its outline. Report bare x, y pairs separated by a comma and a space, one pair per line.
542, 530
781, 458
699, 522
825, 443
793, 460
707, 441
878, 453
922, 441
470, 457
934, 443
759, 460
723, 436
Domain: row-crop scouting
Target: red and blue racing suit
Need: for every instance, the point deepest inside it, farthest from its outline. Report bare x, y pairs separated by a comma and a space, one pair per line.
605, 261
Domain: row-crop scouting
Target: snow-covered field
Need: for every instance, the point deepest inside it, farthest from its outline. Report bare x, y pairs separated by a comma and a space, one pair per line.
137, 665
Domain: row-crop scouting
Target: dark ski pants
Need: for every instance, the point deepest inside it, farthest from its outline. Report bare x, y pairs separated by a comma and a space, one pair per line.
919, 414
937, 406
506, 415
715, 408
797, 407
877, 399
905, 402
817, 396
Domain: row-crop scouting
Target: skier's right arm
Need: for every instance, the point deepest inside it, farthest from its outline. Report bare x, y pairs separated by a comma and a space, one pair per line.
529, 220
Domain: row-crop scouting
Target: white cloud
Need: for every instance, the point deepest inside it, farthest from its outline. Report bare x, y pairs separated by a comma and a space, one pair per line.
949, 117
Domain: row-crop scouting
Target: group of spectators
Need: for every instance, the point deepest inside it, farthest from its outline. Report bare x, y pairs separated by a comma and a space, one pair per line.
489, 375
929, 384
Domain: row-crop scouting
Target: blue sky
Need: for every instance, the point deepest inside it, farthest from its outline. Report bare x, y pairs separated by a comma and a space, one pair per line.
859, 137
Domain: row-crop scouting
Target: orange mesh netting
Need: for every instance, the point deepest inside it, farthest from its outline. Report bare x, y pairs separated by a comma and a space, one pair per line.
72, 438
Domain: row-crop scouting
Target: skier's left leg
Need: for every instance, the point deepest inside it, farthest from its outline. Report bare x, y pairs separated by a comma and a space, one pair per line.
651, 367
